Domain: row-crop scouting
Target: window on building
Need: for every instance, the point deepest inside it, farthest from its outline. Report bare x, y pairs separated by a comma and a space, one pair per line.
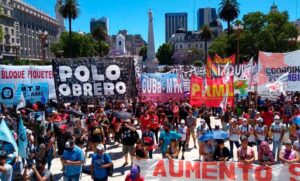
12, 32
196, 45
6, 30
201, 45
120, 43
13, 40
180, 46
189, 45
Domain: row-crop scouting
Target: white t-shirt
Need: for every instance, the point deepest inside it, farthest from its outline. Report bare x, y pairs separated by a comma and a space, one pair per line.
297, 145
233, 133
201, 131
245, 130
260, 132
277, 130
182, 131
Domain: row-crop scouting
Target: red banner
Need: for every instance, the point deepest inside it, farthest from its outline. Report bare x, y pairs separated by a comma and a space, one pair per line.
210, 91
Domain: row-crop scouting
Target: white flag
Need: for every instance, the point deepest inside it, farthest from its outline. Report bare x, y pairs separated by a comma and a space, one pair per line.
223, 104
280, 84
226, 73
247, 72
22, 102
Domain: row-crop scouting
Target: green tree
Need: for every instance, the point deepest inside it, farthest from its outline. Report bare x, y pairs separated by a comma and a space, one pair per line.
206, 35
164, 54
1, 32
228, 11
99, 33
100, 36
143, 52
70, 10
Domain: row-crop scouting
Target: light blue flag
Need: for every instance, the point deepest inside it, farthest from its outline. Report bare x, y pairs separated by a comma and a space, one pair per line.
22, 139
6, 135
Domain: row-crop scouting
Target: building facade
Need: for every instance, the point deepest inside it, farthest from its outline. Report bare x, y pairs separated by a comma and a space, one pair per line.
133, 43
101, 22
174, 21
32, 23
10, 41
205, 16
184, 40
23, 26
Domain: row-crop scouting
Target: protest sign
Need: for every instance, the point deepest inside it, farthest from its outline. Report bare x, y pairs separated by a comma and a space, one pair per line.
273, 65
32, 92
161, 87
85, 79
27, 75
181, 170
215, 90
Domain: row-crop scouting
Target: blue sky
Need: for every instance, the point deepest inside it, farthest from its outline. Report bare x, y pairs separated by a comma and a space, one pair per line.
132, 14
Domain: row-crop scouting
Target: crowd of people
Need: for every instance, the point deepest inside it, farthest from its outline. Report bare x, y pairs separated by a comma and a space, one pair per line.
71, 131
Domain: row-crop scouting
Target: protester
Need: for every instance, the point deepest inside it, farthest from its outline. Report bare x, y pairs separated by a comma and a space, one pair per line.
207, 150
265, 155
148, 141
100, 162
233, 135
40, 149
182, 130
79, 134
165, 138
277, 131
117, 123
191, 125
6, 170
140, 150
97, 135
288, 154
222, 153
260, 131
144, 120
129, 138
154, 124
172, 150
247, 131
206, 117
134, 174
72, 160
38, 172
201, 130
245, 153
50, 147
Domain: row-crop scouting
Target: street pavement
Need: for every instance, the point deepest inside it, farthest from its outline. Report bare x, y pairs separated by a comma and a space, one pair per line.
116, 154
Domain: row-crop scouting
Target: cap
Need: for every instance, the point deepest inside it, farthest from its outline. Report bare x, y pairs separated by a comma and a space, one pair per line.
202, 121
100, 147
245, 120
28, 131
67, 145
63, 127
260, 120
244, 139
276, 117
182, 121
233, 120
288, 142
134, 171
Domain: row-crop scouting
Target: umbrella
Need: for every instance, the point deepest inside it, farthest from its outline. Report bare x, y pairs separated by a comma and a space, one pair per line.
123, 115
296, 120
214, 135
75, 113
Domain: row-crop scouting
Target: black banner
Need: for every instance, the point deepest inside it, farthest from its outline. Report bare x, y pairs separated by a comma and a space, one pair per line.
85, 79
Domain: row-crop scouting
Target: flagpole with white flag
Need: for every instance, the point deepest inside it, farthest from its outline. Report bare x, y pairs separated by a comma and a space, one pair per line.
223, 103
279, 84
226, 73
22, 102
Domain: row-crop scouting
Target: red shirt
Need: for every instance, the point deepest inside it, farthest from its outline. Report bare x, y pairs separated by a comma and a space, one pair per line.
154, 122
144, 121
268, 117
140, 178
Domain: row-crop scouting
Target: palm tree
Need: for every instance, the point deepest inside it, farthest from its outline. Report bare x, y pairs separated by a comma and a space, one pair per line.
69, 10
206, 35
228, 11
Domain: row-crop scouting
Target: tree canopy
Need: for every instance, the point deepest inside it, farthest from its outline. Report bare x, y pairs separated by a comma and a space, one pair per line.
164, 54
270, 32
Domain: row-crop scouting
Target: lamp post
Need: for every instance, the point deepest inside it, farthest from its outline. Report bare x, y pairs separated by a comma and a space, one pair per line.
238, 28
43, 36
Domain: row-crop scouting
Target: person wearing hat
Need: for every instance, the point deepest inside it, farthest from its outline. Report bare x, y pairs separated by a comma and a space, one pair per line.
134, 174
191, 125
277, 131
247, 131
201, 130
260, 131
288, 154
72, 159
234, 134
245, 153
6, 170
182, 130
100, 162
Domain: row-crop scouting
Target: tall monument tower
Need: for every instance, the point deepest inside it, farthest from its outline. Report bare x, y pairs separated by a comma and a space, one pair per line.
59, 18
151, 61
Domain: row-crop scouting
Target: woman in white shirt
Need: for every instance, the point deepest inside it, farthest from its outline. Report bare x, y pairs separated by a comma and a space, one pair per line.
260, 131
247, 131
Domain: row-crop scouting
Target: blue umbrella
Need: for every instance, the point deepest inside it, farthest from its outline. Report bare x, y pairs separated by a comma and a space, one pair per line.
214, 135
296, 120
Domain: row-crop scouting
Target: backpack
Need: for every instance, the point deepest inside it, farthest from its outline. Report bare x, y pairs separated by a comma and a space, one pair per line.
109, 170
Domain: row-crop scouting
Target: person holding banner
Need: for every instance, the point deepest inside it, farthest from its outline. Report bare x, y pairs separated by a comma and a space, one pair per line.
165, 138
182, 130
288, 154
265, 155
222, 153
247, 131
173, 150
201, 130
260, 131
207, 150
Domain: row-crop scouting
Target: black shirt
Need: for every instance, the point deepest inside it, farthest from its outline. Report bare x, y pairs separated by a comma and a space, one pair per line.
128, 136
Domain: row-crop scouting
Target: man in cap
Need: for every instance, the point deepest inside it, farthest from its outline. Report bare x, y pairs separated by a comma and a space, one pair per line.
72, 160
182, 130
6, 170
276, 132
201, 130
100, 162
